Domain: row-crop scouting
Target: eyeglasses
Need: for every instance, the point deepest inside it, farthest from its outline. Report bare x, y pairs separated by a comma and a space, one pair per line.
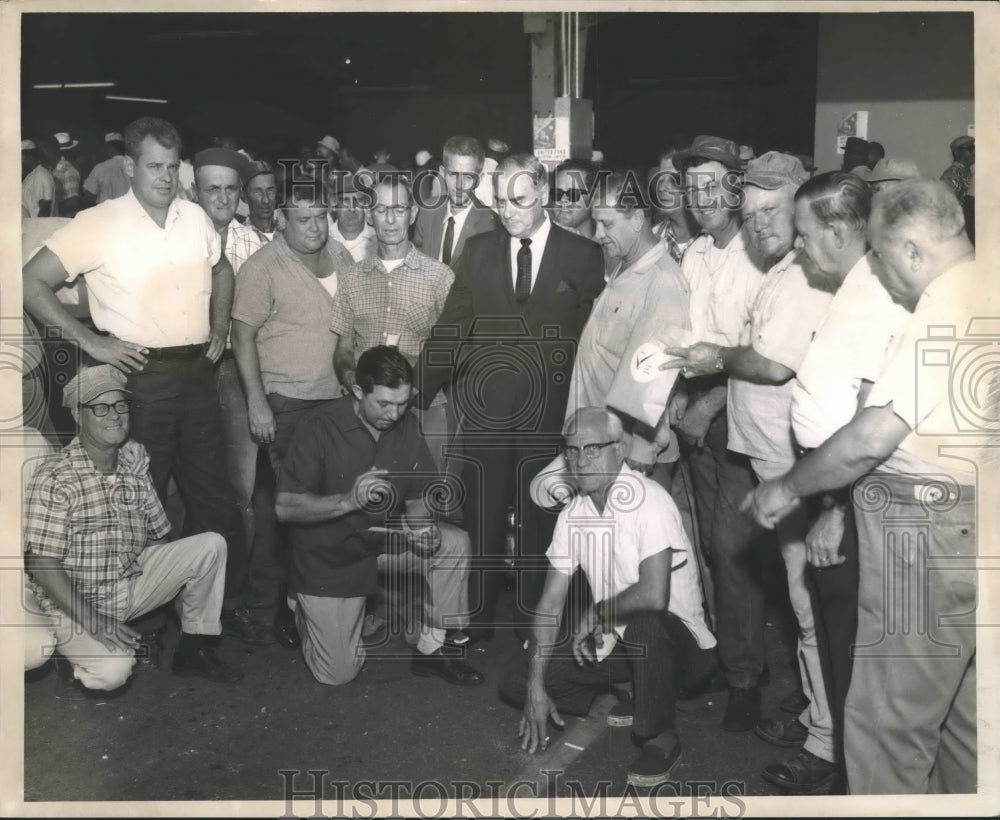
591, 451
122, 406
572, 194
397, 210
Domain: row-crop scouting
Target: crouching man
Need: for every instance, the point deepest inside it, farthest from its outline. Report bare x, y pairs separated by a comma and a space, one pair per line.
646, 623
96, 548
349, 468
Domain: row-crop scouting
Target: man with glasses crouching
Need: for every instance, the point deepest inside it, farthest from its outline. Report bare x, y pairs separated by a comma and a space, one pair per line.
97, 554
646, 623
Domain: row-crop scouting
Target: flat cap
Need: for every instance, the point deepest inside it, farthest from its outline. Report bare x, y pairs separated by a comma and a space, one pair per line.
774, 169
91, 382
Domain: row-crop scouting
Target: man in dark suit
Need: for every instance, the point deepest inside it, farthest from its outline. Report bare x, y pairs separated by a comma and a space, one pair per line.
505, 342
444, 225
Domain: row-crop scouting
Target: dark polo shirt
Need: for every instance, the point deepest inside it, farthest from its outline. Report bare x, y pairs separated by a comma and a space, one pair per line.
328, 451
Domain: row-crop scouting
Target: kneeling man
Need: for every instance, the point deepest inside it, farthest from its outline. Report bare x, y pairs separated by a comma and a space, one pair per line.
350, 466
96, 550
646, 623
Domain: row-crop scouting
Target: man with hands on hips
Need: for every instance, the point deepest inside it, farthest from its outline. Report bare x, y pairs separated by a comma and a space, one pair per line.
646, 624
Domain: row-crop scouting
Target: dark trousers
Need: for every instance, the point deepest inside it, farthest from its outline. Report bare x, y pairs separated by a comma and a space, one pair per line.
834, 593
731, 543
495, 475
287, 415
175, 416
658, 654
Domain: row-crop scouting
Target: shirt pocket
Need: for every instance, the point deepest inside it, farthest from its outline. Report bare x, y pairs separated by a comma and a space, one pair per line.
616, 330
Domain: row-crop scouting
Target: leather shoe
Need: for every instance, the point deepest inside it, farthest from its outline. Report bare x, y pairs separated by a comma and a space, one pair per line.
285, 630
204, 663
445, 666
795, 703
801, 774
238, 623
743, 709
653, 765
789, 733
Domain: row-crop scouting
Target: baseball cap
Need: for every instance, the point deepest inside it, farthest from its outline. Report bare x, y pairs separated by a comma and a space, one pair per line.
774, 169
963, 142
91, 382
891, 169
710, 148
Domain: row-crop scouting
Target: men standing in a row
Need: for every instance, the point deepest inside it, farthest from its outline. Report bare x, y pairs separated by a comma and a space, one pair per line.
393, 298
533, 284
911, 708
842, 362
442, 231
724, 276
784, 314
161, 291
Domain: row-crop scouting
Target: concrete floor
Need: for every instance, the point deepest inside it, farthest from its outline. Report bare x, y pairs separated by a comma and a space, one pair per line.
167, 738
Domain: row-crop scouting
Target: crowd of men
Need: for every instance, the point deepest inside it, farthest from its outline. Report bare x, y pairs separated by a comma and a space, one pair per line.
416, 361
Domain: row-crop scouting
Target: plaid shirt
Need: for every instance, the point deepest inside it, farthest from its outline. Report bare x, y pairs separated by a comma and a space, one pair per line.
95, 525
373, 305
242, 241
67, 180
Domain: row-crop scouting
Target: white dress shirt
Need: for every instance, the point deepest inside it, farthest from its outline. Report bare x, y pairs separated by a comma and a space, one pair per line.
538, 240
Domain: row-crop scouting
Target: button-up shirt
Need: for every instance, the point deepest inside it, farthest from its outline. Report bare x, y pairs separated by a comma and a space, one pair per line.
724, 282
94, 524
375, 306
148, 285
290, 309
243, 241
538, 240
67, 180
784, 316
850, 347
362, 246
328, 451
938, 378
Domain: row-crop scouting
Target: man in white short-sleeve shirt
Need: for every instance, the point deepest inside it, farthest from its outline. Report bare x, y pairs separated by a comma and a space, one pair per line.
784, 315
161, 291
646, 622
910, 717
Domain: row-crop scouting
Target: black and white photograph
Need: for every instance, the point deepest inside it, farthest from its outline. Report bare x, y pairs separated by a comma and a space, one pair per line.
500, 410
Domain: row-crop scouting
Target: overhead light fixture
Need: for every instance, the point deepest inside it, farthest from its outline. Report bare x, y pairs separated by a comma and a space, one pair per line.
202, 34
347, 61
74, 85
135, 99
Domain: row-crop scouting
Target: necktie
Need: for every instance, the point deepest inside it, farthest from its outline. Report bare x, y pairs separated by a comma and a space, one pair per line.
449, 240
522, 287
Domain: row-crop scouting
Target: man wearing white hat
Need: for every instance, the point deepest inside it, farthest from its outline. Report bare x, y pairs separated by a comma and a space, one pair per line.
38, 188
108, 179
328, 148
66, 176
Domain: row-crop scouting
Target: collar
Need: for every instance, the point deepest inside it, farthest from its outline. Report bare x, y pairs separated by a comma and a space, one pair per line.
374, 262
627, 479
131, 203
538, 238
647, 261
130, 458
737, 243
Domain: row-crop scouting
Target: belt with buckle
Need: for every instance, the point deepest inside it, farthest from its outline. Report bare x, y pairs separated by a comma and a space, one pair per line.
180, 353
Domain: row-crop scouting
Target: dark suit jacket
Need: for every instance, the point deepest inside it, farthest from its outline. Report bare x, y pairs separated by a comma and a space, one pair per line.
508, 363
428, 230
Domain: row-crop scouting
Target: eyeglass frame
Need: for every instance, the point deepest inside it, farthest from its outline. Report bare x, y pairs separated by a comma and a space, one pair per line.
108, 407
569, 449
